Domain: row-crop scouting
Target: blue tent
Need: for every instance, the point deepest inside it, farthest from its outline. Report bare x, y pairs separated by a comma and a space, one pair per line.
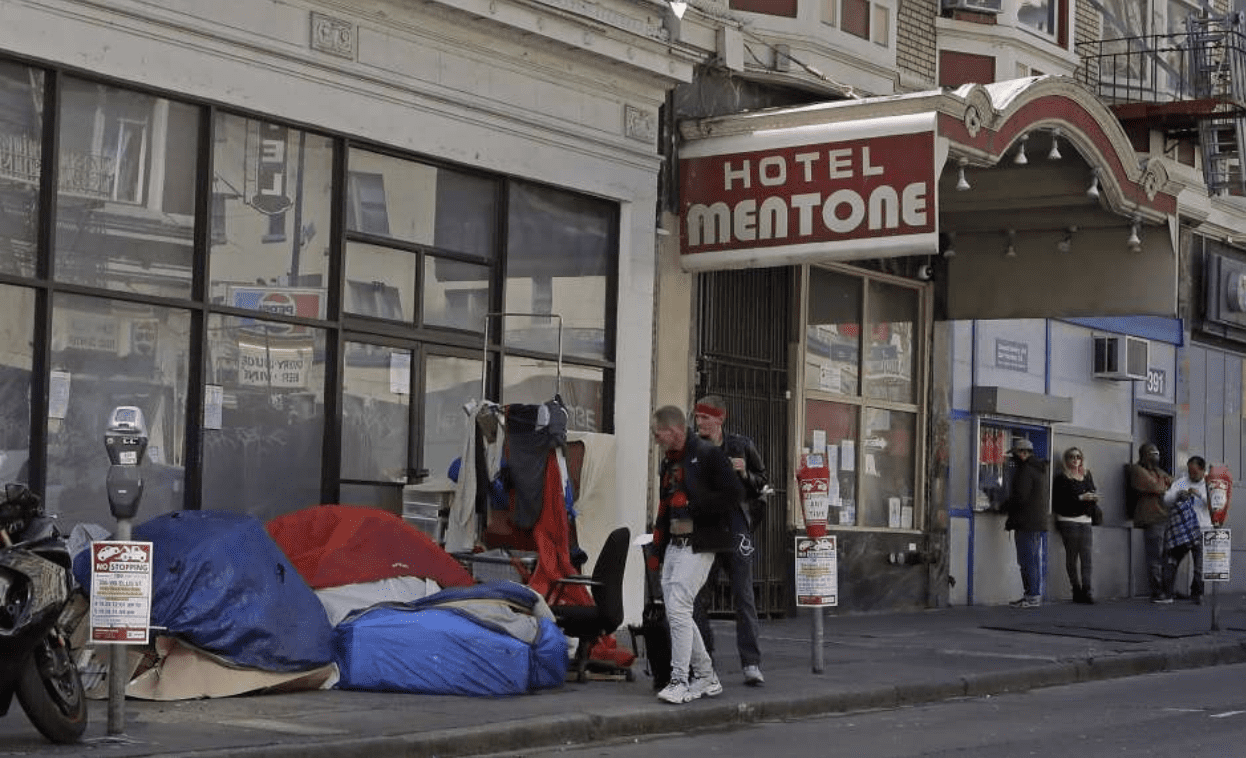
221, 583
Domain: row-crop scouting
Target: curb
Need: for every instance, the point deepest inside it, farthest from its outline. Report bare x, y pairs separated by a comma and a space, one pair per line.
552, 731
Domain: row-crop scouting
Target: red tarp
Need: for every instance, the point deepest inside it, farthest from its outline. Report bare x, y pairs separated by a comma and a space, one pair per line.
336, 545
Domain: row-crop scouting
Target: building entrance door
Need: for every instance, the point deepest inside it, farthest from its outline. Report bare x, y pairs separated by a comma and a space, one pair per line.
744, 329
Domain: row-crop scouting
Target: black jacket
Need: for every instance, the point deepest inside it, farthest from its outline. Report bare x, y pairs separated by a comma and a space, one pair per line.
1066, 494
754, 476
713, 489
1026, 505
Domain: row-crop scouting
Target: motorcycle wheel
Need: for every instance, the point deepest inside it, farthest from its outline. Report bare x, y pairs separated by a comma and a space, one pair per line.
50, 691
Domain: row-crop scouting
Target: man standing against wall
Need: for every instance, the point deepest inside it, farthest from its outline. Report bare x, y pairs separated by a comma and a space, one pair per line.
698, 489
709, 415
1026, 507
1148, 483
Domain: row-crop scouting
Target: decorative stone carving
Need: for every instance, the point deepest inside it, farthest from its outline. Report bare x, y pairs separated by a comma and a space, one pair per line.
639, 124
973, 121
1154, 177
333, 36
979, 111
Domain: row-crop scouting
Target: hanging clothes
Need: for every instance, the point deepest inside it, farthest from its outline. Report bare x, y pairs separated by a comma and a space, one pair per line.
552, 535
479, 465
532, 432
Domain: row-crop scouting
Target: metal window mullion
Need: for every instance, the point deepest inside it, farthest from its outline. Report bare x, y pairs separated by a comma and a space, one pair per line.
331, 445
41, 358
198, 348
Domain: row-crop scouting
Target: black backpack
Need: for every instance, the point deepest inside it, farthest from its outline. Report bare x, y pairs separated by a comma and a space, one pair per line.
1131, 495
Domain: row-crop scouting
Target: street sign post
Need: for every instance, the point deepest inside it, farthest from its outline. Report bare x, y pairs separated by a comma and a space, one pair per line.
1217, 553
817, 584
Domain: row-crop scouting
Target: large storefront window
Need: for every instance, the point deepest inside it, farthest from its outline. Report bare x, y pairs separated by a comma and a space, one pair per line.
862, 396
107, 353
263, 416
271, 199
21, 146
17, 326
420, 255
125, 207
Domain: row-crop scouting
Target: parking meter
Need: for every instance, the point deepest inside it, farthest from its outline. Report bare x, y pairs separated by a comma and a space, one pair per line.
125, 438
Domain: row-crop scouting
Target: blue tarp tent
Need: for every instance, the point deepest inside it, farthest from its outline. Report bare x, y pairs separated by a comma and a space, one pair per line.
490, 639
222, 584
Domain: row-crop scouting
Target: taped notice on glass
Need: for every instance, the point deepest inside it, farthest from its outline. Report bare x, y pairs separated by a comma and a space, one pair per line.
817, 571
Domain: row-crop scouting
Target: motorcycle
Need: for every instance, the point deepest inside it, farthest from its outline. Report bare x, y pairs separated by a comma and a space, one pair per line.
36, 589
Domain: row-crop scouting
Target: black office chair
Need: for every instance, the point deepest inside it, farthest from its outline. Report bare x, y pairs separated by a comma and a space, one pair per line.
587, 623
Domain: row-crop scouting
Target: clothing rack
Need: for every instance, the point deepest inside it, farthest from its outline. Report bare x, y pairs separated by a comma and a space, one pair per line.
484, 364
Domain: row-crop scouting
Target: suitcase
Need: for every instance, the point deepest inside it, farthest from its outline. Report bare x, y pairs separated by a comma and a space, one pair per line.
653, 628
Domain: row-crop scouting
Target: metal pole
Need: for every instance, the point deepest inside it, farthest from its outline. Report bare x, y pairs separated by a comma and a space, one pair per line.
816, 643
1215, 607
117, 664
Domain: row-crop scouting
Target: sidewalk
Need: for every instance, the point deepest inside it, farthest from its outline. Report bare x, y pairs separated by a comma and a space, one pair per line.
870, 661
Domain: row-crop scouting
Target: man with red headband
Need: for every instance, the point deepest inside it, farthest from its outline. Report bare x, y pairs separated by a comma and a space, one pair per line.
710, 414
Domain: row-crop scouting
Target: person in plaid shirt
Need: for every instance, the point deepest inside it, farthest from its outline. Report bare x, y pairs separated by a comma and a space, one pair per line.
1187, 517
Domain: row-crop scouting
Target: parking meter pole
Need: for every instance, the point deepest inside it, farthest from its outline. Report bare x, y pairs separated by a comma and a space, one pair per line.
117, 664
816, 641
125, 439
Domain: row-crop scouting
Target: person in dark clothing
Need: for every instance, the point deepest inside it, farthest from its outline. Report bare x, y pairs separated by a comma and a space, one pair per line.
698, 490
1149, 483
1072, 497
709, 415
1026, 507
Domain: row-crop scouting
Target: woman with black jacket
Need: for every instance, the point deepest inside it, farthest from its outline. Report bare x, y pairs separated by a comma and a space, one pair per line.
1073, 498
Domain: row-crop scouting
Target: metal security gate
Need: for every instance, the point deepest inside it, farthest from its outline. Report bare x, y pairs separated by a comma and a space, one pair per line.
744, 331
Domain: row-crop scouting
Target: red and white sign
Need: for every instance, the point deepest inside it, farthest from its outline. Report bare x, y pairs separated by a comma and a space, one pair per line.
121, 591
823, 192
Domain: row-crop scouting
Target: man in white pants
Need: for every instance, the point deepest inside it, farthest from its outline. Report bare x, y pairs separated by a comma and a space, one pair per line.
698, 489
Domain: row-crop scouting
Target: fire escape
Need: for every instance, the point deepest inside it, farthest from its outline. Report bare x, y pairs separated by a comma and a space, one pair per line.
1192, 84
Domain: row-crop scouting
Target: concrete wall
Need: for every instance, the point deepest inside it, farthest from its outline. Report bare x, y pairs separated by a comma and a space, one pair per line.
1058, 362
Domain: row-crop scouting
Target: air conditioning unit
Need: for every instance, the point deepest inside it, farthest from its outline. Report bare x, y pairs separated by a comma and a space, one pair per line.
979, 6
1121, 358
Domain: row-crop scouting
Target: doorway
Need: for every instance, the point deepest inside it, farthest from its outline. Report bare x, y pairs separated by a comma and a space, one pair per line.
1155, 428
744, 330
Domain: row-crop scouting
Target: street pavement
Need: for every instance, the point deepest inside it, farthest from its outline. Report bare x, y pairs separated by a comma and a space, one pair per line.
868, 661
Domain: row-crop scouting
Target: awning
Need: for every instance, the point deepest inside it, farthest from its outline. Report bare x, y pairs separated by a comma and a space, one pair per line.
1032, 185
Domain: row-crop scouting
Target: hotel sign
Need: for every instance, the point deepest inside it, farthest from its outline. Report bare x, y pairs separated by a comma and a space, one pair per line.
829, 192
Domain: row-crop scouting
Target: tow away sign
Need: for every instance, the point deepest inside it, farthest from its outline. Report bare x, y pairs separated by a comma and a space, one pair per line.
121, 592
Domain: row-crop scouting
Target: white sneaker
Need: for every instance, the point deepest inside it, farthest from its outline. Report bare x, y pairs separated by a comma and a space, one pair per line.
753, 677
677, 693
706, 686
